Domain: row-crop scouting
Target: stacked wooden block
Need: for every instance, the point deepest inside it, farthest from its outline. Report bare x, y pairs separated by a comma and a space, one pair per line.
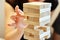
37, 15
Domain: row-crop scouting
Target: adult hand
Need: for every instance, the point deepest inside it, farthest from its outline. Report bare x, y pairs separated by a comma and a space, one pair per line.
18, 19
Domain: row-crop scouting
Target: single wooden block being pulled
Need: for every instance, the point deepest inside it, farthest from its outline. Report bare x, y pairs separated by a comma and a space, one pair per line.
44, 28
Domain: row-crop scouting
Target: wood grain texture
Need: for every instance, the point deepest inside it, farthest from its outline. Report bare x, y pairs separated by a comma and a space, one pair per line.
34, 12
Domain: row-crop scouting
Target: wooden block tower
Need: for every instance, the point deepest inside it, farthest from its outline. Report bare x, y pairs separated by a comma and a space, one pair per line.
37, 15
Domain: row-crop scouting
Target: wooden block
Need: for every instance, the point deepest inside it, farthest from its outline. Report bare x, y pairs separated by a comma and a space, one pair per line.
41, 28
38, 19
37, 5
31, 26
31, 10
44, 23
42, 39
37, 27
44, 28
43, 14
31, 14
45, 34
34, 32
31, 22
33, 35
48, 35
28, 34
48, 24
44, 20
36, 23
38, 14
31, 38
34, 19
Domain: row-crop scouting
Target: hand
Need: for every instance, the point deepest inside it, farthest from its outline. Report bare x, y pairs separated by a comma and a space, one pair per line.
18, 19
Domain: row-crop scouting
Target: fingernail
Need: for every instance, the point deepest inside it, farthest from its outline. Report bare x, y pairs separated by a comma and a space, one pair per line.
17, 6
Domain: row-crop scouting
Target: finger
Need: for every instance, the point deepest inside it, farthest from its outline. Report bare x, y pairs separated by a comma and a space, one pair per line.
21, 12
13, 18
16, 9
13, 24
21, 17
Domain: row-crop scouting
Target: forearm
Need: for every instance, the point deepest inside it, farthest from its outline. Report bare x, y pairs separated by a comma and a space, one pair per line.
15, 34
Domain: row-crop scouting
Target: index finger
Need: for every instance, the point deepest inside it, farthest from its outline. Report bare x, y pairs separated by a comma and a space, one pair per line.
18, 11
